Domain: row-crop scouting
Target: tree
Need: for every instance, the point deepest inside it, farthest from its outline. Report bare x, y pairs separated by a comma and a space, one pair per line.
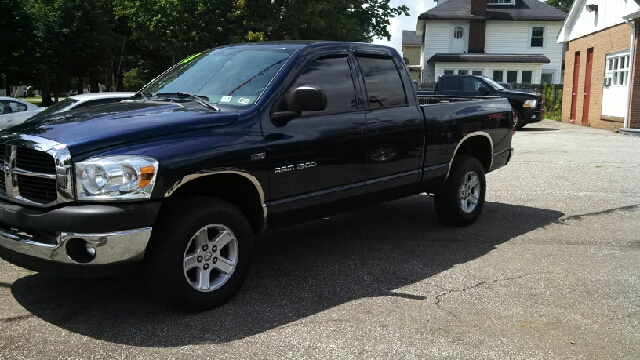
564, 5
16, 27
340, 20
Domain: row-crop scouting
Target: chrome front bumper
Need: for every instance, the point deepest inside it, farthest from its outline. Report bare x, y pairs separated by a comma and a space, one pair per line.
103, 249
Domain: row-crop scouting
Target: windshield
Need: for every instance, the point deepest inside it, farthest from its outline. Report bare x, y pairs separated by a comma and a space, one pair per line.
494, 84
226, 76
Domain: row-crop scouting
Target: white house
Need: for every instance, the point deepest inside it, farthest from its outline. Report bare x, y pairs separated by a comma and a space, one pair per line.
508, 40
602, 79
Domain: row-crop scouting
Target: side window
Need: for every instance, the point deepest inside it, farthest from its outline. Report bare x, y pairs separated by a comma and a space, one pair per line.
472, 84
17, 107
383, 82
333, 75
453, 83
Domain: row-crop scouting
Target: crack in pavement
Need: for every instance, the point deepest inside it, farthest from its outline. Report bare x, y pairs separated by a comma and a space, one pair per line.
16, 318
564, 220
481, 283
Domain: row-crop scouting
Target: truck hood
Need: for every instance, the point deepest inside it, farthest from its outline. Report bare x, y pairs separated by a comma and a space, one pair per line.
97, 127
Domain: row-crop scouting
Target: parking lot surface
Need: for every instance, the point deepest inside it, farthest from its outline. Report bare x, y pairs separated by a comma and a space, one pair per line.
550, 270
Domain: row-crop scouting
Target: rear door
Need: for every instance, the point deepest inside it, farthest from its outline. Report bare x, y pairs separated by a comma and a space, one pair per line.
316, 159
395, 129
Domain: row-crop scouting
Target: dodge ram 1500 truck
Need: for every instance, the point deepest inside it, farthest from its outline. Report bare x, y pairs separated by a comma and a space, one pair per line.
528, 106
230, 143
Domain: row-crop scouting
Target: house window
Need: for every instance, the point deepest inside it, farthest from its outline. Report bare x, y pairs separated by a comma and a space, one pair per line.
448, 72
512, 76
476, 72
458, 32
500, 2
537, 36
527, 76
498, 75
547, 78
463, 72
618, 69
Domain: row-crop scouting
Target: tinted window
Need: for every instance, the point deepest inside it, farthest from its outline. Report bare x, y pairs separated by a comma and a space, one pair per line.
383, 82
333, 75
453, 83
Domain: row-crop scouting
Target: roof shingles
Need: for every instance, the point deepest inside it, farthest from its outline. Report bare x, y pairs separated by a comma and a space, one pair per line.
523, 10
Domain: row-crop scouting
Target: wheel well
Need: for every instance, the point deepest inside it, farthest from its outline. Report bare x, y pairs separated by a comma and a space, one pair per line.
234, 189
478, 147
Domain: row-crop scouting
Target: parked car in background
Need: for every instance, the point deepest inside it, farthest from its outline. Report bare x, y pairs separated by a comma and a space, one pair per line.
86, 100
527, 105
14, 111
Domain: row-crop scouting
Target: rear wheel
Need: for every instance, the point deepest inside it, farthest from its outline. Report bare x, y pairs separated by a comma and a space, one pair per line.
200, 254
460, 200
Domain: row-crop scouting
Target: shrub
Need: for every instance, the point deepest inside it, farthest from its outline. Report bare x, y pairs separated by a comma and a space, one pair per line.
133, 80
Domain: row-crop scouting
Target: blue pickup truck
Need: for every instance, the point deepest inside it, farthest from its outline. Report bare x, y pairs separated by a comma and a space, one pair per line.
230, 143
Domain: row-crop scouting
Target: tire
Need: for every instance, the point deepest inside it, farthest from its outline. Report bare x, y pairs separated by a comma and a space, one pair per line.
519, 120
460, 200
200, 254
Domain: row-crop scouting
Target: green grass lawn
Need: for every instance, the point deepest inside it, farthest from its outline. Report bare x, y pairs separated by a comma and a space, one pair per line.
37, 100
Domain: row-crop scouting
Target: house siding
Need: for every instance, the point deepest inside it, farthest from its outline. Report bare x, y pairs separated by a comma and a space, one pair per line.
437, 40
583, 22
514, 38
611, 40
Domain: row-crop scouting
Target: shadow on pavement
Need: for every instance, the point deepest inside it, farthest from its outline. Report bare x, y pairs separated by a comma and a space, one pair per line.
534, 129
299, 272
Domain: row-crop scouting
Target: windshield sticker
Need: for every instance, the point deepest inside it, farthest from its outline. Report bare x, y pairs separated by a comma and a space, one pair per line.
243, 101
190, 58
225, 99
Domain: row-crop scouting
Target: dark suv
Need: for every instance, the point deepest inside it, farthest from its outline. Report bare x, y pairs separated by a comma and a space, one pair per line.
527, 105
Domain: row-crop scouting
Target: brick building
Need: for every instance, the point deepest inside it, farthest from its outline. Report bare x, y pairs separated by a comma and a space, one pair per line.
510, 41
601, 64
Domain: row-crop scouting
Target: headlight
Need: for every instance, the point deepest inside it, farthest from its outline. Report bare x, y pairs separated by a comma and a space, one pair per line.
530, 103
115, 178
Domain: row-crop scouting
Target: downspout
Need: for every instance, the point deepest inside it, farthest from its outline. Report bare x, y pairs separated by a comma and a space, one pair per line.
630, 20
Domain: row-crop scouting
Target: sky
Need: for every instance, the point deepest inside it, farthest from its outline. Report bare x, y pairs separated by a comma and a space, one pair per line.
416, 7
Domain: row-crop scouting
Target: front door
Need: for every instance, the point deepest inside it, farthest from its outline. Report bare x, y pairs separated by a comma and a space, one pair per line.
574, 89
587, 88
458, 39
315, 159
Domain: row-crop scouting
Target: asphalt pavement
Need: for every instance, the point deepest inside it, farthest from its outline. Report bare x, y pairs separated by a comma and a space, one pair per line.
551, 270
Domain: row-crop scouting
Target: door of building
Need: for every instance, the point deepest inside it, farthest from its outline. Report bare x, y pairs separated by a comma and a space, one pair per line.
587, 87
574, 90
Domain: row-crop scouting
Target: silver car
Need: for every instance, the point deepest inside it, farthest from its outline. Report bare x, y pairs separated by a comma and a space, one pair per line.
14, 111
86, 100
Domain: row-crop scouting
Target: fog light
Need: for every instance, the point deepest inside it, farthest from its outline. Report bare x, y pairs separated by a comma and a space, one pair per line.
80, 250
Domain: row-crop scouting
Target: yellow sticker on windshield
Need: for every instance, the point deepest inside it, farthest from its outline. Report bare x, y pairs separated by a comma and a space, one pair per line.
190, 58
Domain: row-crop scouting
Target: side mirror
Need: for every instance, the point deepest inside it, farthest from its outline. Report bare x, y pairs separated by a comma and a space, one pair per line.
484, 90
303, 98
308, 98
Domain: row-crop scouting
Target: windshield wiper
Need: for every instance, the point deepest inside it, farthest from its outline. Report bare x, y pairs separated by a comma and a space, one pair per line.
141, 94
202, 100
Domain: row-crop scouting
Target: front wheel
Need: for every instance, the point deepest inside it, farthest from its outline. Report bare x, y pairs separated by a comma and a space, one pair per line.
460, 200
200, 254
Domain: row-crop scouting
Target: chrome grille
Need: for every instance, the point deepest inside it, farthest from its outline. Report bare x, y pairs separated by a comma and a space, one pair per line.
36, 171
